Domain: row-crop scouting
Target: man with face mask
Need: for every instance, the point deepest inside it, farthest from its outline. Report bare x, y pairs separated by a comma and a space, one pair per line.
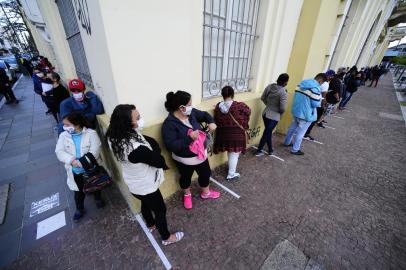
86, 103
304, 110
38, 78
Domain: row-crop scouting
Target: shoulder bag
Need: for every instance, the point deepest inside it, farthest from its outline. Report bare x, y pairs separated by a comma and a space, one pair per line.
95, 177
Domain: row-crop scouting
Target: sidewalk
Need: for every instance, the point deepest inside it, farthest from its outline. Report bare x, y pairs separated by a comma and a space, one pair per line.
341, 204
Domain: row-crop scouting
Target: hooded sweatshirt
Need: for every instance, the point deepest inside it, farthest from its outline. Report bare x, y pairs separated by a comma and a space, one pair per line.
307, 98
275, 99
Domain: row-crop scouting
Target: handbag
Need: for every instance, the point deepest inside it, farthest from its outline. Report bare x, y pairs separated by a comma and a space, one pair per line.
247, 136
208, 143
95, 177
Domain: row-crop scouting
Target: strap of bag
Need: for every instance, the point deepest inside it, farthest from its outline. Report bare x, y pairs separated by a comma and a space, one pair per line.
240, 126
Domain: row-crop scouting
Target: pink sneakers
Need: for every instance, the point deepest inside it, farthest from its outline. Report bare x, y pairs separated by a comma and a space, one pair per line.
187, 201
210, 195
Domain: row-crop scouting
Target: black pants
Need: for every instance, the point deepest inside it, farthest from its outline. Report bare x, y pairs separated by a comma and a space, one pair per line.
186, 173
374, 80
154, 202
8, 94
80, 195
320, 111
267, 135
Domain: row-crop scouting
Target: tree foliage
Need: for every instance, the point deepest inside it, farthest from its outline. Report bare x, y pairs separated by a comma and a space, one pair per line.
400, 60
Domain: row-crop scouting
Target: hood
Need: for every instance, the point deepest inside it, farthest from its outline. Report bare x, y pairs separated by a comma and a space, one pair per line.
225, 106
274, 88
309, 84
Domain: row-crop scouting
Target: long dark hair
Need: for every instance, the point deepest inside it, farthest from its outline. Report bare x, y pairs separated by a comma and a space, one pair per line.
120, 131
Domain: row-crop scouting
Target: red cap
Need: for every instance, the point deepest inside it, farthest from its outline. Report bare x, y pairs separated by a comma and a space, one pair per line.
76, 84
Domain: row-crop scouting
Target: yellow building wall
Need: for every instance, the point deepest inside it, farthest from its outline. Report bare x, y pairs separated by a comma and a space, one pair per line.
63, 58
311, 46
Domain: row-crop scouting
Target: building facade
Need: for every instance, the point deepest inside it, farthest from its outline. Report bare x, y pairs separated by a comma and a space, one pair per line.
133, 51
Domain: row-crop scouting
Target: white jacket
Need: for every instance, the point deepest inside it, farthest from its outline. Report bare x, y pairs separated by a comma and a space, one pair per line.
66, 151
140, 178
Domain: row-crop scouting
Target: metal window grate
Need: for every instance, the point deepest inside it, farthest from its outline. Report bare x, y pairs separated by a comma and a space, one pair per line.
74, 39
228, 44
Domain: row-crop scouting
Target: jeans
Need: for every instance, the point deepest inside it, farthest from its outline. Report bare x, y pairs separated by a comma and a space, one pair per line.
267, 135
347, 97
80, 195
296, 132
154, 202
186, 172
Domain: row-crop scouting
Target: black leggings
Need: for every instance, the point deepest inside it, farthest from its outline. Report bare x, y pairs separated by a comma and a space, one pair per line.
154, 202
80, 195
8, 94
186, 173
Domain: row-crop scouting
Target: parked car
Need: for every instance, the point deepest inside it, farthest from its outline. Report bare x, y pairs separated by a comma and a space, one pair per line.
11, 73
12, 61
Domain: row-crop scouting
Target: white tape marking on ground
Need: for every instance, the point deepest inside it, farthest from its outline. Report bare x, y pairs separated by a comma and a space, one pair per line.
225, 188
339, 117
157, 248
15, 84
329, 127
50, 224
274, 156
312, 140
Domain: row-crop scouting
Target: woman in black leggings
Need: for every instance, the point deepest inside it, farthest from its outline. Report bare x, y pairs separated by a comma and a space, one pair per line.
142, 166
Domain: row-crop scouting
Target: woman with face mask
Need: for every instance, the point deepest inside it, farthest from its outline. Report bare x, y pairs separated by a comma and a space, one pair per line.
142, 166
76, 141
86, 103
183, 137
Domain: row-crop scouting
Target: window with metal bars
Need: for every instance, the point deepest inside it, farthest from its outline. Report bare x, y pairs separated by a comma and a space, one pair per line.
228, 44
74, 39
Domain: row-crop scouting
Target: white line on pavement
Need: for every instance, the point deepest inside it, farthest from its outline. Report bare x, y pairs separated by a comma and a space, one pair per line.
154, 243
329, 127
225, 188
339, 117
15, 84
312, 140
274, 156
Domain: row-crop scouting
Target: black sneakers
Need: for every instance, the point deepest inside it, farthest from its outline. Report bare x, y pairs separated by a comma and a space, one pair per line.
78, 215
298, 153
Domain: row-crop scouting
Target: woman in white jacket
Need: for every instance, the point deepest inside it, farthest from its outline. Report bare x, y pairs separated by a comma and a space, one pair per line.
142, 167
76, 141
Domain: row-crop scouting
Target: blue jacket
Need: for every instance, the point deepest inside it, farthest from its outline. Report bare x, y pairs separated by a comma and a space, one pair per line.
90, 108
37, 84
307, 98
174, 132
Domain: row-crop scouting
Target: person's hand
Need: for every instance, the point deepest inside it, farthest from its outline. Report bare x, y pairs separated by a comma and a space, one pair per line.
43, 93
212, 127
76, 163
194, 135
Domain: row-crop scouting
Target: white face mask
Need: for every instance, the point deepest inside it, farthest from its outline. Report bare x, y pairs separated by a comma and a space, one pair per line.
140, 124
188, 110
78, 96
40, 74
69, 129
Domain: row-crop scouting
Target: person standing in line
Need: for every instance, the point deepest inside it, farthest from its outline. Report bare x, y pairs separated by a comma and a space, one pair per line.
59, 92
38, 77
275, 98
352, 83
142, 166
376, 74
232, 119
5, 88
334, 94
183, 137
86, 103
76, 141
320, 110
307, 98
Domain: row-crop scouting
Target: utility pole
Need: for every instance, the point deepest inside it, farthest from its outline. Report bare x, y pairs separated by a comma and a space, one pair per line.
11, 25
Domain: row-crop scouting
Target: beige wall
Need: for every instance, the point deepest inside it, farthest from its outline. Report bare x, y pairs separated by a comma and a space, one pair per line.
63, 58
99, 55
